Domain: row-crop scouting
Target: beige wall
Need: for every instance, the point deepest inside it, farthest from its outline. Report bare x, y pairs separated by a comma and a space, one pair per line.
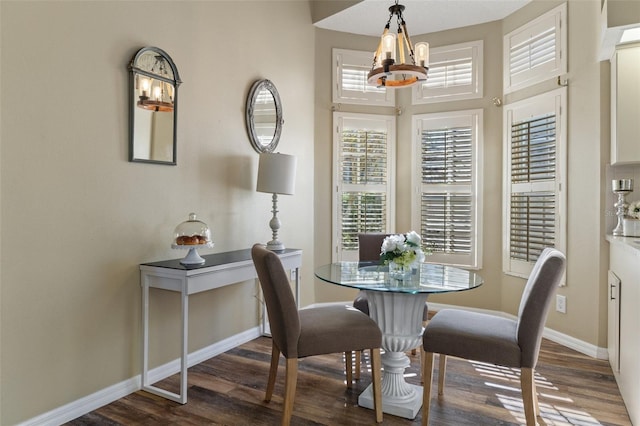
588, 101
78, 218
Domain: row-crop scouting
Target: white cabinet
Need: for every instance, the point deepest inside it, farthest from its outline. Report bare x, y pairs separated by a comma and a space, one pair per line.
625, 105
624, 262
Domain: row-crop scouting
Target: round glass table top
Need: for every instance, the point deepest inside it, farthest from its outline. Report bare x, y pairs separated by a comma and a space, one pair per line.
428, 278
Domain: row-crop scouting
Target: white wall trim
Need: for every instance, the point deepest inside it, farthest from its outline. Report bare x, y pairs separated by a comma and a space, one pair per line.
112, 393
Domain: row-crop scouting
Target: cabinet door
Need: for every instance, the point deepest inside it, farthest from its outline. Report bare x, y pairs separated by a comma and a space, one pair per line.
625, 105
613, 339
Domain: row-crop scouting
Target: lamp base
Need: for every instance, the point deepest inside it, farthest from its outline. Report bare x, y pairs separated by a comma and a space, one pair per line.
275, 245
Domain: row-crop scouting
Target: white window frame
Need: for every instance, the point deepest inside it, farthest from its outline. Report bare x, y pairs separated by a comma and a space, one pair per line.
554, 101
370, 95
372, 121
449, 56
473, 119
523, 41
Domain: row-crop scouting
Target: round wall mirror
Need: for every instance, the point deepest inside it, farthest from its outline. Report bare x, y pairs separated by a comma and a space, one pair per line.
264, 116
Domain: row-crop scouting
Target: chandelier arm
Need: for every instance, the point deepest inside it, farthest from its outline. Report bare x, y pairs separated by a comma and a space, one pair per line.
401, 45
408, 41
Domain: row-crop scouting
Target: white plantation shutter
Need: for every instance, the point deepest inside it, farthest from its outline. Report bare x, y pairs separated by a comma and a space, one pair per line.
364, 147
536, 51
350, 80
354, 79
455, 72
446, 222
447, 211
535, 163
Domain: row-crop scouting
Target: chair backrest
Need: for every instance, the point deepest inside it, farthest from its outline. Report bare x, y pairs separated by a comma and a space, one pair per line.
281, 306
369, 246
545, 277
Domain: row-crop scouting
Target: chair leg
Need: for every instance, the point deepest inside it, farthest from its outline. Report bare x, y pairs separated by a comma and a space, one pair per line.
441, 373
349, 368
535, 394
528, 395
358, 366
289, 390
273, 371
376, 378
427, 376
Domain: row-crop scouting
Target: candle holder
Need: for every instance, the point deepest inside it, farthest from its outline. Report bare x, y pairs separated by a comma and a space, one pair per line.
621, 187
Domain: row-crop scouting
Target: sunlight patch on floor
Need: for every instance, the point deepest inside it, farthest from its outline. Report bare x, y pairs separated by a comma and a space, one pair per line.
556, 412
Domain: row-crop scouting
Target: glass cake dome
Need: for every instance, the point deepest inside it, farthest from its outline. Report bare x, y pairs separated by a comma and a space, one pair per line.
192, 234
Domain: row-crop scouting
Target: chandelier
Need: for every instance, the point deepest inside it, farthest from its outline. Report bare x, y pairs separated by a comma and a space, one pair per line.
386, 71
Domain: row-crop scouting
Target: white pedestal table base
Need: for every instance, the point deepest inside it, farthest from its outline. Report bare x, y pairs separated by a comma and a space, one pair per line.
399, 316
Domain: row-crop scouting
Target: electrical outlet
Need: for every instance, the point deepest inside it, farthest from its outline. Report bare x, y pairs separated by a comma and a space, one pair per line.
561, 304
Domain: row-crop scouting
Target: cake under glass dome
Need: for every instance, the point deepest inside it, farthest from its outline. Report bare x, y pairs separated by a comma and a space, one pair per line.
192, 234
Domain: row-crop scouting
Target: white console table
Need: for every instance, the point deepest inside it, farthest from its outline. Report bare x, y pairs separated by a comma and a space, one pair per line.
217, 271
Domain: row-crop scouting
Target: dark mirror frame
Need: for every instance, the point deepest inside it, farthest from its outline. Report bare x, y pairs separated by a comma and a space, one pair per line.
134, 71
249, 115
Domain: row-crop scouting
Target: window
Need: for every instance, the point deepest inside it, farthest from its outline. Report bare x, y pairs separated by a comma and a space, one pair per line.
455, 72
363, 163
446, 173
535, 163
350, 80
536, 51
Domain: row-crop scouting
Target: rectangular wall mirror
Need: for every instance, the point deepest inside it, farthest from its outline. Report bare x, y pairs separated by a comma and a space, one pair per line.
153, 107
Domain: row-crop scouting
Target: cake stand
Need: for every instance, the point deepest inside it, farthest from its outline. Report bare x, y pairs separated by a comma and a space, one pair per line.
192, 257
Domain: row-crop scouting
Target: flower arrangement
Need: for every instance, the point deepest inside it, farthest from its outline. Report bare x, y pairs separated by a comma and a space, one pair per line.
402, 249
634, 210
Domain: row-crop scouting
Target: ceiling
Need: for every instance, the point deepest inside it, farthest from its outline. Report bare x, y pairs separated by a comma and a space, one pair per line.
422, 16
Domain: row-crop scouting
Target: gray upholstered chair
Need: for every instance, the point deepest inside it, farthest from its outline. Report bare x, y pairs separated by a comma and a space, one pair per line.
487, 338
369, 246
313, 331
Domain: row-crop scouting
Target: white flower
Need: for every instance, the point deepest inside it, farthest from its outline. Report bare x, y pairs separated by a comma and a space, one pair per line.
402, 249
414, 238
393, 243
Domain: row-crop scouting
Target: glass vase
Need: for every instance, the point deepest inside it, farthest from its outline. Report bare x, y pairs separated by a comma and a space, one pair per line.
399, 272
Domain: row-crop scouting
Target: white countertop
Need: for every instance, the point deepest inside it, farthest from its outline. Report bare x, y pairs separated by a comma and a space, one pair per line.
632, 242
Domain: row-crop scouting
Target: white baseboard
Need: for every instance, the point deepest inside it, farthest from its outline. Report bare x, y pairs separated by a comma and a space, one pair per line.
106, 396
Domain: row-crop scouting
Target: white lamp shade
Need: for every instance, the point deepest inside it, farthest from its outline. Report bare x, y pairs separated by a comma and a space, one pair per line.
276, 173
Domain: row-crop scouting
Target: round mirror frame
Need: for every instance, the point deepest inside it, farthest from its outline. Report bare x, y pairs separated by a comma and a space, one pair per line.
249, 115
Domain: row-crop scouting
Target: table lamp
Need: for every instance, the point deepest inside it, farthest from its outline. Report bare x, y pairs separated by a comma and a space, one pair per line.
276, 175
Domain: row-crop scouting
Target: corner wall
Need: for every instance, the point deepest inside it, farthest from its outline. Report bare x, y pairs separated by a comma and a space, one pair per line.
587, 251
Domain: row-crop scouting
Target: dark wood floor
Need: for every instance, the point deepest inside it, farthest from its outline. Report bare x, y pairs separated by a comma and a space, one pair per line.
229, 389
